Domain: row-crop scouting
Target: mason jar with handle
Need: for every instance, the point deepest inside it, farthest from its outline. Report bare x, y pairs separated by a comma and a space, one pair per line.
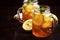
43, 23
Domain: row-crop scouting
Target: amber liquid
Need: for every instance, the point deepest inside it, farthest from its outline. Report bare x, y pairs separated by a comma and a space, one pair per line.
37, 29
27, 16
27, 11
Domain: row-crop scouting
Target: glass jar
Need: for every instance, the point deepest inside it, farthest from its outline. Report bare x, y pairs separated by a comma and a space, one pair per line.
43, 23
27, 10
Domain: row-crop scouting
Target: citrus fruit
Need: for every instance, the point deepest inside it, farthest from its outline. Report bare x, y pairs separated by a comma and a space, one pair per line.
27, 25
38, 19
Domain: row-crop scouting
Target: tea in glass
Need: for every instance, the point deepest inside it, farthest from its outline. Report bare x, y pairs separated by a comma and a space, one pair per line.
27, 10
41, 25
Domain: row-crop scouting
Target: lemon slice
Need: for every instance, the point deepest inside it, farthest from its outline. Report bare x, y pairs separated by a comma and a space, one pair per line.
27, 25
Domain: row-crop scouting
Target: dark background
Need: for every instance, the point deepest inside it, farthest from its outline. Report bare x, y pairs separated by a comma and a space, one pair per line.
8, 25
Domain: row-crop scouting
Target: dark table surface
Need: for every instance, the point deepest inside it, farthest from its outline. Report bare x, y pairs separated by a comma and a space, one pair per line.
11, 29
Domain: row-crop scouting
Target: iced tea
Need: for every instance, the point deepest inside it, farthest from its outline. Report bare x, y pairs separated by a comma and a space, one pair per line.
27, 10
41, 26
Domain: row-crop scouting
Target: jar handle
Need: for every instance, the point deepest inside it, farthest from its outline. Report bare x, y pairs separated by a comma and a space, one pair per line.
19, 12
